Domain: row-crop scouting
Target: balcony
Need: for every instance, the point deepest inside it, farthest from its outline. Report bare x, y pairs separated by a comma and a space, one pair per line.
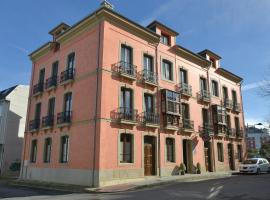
227, 103
188, 125
149, 77
127, 115
203, 96
64, 118
34, 124
171, 122
220, 130
206, 129
38, 88
239, 133
47, 121
67, 76
230, 132
126, 70
236, 107
51, 83
151, 119
185, 89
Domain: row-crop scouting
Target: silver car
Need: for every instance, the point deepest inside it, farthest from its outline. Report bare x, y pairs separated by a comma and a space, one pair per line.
255, 165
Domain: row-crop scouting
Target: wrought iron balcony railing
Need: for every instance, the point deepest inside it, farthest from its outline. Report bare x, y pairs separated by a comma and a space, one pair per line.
67, 75
34, 124
171, 122
236, 107
206, 129
51, 82
126, 114
126, 69
239, 133
188, 125
64, 117
204, 96
185, 89
149, 77
151, 118
227, 103
47, 121
230, 132
38, 88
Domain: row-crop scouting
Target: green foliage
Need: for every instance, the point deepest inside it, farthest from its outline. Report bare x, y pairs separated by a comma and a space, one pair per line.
16, 166
182, 167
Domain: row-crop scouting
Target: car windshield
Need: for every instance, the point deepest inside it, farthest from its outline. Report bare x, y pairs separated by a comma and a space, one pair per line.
253, 161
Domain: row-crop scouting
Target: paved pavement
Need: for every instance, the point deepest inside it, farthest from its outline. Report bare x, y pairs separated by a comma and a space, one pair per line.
242, 187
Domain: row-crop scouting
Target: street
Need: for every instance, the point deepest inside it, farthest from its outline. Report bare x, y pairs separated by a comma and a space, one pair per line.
240, 187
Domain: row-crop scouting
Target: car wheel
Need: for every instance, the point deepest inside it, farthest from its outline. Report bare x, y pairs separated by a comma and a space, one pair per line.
268, 171
258, 171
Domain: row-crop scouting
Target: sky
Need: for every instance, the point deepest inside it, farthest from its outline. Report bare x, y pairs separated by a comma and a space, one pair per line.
238, 31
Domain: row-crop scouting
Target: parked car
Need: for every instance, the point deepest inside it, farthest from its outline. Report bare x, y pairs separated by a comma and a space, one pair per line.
255, 165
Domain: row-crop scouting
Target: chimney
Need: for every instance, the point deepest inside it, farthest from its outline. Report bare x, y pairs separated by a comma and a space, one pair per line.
107, 4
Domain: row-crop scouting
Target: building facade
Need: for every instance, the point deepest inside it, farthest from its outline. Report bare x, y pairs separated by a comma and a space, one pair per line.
112, 100
256, 137
13, 107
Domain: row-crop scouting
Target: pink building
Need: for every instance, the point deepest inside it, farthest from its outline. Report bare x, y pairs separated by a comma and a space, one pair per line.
112, 101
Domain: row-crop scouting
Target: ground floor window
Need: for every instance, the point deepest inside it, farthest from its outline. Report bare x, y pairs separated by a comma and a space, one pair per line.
33, 156
220, 152
126, 145
64, 149
239, 153
47, 150
170, 149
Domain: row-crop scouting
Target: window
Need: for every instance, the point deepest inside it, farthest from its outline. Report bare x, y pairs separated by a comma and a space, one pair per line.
239, 153
234, 96
165, 39
215, 88
47, 150
228, 120
38, 111
126, 145
64, 149
148, 63
205, 116
126, 98
213, 62
225, 93
54, 71
41, 76
236, 121
51, 105
172, 102
167, 70
183, 76
203, 84
149, 103
220, 152
68, 102
170, 149
71, 61
185, 111
33, 156
126, 54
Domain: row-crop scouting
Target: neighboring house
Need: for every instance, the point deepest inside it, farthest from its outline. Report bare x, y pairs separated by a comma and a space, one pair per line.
13, 108
256, 137
112, 100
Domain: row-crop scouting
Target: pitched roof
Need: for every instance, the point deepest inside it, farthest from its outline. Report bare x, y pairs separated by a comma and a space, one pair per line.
155, 23
6, 92
211, 53
229, 75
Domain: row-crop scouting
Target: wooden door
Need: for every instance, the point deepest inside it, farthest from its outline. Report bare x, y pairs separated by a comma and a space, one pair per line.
148, 160
206, 159
230, 156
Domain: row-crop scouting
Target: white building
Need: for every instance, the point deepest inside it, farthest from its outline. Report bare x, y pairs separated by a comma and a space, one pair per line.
13, 108
256, 136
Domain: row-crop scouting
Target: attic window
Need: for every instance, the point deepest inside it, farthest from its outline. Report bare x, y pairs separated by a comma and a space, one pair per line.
213, 62
165, 39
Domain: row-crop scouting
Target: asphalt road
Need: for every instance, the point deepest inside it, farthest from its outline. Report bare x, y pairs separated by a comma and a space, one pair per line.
248, 187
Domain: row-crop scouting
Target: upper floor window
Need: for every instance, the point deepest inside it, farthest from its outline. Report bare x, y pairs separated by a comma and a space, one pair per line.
149, 103
225, 93
203, 84
213, 62
167, 71
33, 156
171, 101
68, 102
64, 153
239, 153
220, 152
41, 76
183, 76
126, 98
54, 71
170, 150
228, 121
71, 61
148, 63
205, 116
165, 39
234, 96
47, 150
185, 111
38, 111
237, 124
215, 88
126, 145
126, 54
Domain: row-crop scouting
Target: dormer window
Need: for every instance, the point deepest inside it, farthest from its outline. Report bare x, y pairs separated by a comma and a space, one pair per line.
213, 62
165, 39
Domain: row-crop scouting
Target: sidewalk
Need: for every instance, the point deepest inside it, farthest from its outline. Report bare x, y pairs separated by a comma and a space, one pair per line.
157, 181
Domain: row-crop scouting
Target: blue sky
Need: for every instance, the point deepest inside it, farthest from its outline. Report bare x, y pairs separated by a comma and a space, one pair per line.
236, 30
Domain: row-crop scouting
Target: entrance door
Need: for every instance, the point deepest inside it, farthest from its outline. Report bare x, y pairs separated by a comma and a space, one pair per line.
230, 156
208, 157
187, 155
149, 156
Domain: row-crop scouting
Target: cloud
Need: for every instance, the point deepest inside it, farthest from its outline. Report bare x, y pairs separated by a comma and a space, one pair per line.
21, 49
255, 85
162, 9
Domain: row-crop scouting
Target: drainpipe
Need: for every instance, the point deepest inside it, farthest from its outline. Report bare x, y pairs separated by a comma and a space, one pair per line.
243, 116
96, 106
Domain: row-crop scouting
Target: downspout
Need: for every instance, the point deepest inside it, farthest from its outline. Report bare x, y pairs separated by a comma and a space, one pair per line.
27, 122
96, 106
243, 116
